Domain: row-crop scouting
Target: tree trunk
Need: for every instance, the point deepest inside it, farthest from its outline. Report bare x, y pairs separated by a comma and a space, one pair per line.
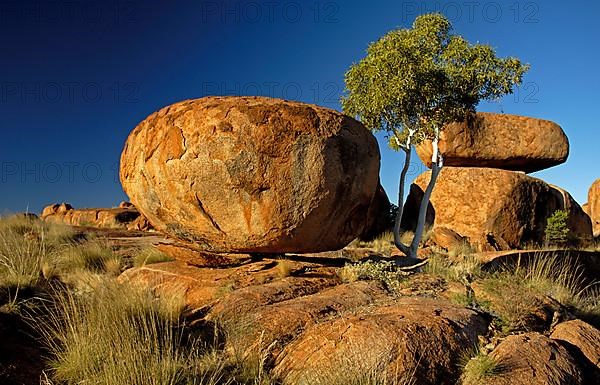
402, 247
436, 166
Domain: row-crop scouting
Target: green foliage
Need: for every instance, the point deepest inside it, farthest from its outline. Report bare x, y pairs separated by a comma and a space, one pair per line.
424, 77
557, 231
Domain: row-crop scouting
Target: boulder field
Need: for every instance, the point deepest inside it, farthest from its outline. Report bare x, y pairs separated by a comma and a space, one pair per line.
253, 174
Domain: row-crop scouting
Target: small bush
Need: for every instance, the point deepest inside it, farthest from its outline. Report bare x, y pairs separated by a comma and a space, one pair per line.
459, 270
518, 290
384, 271
383, 243
284, 268
557, 231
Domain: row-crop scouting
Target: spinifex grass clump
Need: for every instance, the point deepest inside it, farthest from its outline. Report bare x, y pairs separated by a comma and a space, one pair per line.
117, 335
479, 368
515, 291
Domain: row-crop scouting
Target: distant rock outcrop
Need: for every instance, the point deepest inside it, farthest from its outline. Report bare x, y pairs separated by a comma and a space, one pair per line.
252, 174
117, 218
508, 142
494, 209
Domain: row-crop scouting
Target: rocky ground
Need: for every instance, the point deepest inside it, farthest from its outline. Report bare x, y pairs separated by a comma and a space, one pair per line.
333, 318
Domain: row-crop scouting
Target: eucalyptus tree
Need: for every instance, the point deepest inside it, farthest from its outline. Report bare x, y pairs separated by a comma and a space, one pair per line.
413, 81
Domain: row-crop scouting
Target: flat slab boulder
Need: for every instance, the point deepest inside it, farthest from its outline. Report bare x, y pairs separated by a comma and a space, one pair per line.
508, 142
252, 174
494, 209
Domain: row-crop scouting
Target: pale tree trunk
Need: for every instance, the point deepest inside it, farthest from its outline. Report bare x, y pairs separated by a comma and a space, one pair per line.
402, 247
437, 163
407, 148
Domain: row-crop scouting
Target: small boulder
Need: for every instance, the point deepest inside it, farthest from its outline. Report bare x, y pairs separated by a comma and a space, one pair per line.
582, 336
446, 239
508, 142
533, 359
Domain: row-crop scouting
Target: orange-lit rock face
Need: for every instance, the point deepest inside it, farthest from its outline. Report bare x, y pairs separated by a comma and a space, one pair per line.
252, 174
594, 206
509, 142
494, 209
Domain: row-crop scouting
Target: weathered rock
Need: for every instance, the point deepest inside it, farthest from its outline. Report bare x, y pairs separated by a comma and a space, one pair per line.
413, 338
586, 208
116, 218
126, 205
594, 206
269, 328
446, 239
379, 216
503, 141
533, 359
252, 174
582, 336
140, 223
203, 287
184, 253
495, 209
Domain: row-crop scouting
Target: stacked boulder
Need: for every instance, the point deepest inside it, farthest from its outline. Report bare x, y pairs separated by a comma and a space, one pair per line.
124, 217
483, 193
254, 175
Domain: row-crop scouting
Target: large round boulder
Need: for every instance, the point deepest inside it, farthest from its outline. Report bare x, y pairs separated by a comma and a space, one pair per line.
509, 142
493, 209
252, 174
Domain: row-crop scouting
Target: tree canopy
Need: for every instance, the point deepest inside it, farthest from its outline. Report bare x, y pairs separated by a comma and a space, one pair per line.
424, 77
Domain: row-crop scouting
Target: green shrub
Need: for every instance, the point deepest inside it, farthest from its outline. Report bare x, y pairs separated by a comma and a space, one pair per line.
557, 231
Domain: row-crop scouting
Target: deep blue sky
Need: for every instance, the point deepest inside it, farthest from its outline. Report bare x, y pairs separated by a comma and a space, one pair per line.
77, 76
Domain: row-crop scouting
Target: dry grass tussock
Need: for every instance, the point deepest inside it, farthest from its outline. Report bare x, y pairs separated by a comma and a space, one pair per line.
478, 367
